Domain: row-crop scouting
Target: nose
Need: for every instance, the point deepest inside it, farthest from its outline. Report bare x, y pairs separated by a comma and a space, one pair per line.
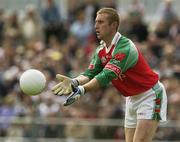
95, 25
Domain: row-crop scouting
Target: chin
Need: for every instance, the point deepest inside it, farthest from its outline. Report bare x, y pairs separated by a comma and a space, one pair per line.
99, 37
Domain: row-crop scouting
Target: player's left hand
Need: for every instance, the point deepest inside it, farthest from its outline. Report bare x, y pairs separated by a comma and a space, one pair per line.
77, 93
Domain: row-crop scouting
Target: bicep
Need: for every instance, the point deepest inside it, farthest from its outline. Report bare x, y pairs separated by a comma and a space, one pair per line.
94, 67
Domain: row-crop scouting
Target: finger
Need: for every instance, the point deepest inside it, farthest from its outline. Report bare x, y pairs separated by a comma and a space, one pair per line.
77, 97
67, 91
61, 77
60, 93
57, 91
69, 101
67, 81
56, 86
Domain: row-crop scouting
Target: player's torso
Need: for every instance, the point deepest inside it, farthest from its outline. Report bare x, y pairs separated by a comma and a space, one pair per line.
135, 77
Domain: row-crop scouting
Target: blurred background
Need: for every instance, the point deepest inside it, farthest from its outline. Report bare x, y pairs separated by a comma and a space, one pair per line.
57, 36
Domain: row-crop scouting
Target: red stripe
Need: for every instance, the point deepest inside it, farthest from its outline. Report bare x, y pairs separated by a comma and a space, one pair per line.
158, 101
113, 68
111, 50
157, 110
91, 67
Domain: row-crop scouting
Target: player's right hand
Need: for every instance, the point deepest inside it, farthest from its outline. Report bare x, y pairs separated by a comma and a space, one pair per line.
64, 87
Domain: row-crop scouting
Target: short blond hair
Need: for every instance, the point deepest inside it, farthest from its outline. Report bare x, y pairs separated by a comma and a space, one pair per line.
113, 15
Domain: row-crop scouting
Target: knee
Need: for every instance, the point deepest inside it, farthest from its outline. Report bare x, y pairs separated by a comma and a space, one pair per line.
142, 139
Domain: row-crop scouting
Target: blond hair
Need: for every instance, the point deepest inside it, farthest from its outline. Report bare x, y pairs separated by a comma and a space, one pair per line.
113, 15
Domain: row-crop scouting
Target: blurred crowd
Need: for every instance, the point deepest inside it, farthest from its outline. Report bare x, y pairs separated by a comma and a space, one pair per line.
41, 39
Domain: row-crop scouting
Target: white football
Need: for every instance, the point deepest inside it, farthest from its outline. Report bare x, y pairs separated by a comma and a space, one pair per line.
32, 82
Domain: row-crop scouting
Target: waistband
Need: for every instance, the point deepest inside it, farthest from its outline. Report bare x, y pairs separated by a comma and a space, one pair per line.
156, 87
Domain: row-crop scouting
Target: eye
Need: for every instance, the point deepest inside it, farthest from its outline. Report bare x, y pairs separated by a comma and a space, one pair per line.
98, 21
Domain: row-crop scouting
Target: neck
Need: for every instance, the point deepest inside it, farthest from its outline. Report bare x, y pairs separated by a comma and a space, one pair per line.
109, 39
108, 42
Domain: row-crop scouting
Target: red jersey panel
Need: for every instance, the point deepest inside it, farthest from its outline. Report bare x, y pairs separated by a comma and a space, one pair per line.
137, 79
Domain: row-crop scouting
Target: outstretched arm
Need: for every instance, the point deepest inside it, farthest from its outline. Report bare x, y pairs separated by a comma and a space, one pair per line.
82, 79
92, 85
64, 87
81, 90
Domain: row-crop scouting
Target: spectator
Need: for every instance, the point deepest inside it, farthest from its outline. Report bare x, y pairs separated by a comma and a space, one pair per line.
1, 25
31, 25
81, 28
52, 22
12, 30
136, 7
138, 28
167, 12
7, 111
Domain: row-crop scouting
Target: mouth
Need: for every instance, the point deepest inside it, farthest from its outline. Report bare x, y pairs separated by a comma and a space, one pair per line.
97, 33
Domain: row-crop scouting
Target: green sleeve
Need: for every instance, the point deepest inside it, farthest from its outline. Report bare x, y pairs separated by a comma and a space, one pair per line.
95, 66
124, 57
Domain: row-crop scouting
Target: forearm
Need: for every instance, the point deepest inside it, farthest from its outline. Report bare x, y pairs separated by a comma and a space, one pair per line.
80, 90
82, 79
92, 85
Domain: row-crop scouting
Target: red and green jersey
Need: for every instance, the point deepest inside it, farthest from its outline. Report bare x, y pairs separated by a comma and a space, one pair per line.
123, 65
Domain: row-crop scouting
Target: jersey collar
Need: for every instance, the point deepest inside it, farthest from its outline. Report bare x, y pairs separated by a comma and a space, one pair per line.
114, 41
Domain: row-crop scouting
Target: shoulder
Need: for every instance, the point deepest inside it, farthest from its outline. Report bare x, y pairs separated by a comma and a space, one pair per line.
126, 46
124, 42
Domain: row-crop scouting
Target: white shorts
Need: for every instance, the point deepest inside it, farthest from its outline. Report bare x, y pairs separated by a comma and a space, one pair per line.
151, 105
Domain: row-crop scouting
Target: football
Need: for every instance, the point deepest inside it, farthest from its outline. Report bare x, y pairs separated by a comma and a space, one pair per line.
32, 82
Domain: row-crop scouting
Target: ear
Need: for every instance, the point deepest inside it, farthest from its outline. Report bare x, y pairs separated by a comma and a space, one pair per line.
114, 25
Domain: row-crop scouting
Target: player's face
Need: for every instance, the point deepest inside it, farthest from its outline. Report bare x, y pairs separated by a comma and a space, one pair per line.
102, 26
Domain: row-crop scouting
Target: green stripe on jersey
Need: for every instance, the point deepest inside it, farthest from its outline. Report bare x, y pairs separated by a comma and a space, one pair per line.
127, 47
